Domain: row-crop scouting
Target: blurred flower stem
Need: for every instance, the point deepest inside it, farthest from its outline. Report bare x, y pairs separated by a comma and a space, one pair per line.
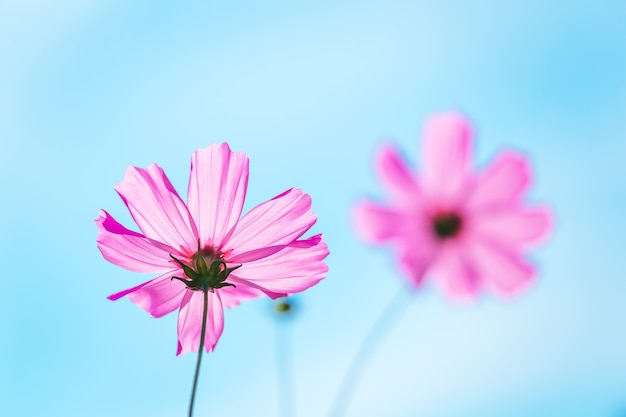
284, 373
381, 327
200, 349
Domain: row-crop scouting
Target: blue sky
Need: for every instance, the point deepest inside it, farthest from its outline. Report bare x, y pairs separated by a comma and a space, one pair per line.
308, 90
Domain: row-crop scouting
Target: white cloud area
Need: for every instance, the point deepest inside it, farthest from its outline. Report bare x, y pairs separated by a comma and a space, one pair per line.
309, 90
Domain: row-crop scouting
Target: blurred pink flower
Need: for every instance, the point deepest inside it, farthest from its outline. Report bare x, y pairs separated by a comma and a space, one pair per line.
466, 230
265, 241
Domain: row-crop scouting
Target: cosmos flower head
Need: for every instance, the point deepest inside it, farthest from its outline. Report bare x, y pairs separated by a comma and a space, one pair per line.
466, 229
206, 245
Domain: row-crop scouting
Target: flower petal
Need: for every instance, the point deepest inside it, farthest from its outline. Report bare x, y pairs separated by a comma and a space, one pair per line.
162, 296
503, 271
409, 229
394, 173
503, 182
190, 321
455, 272
295, 268
129, 249
415, 259
516, 226
270, 226
158, 297
447, 151
376, 223
217, 189
233, 296
157, 209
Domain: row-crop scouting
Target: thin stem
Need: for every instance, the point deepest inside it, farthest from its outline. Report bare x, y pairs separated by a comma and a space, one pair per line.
376, 334
283, 370
200, 349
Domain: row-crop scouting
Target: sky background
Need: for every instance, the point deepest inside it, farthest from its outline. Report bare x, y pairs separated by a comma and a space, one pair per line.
309, 90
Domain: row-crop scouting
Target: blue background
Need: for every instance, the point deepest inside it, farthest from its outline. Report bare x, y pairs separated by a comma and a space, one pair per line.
308, 90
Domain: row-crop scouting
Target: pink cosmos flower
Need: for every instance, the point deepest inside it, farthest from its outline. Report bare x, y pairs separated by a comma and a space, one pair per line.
261, 253
465, 229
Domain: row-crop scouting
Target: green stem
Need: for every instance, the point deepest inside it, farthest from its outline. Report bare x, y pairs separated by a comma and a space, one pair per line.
284, 373
200, 349
376, 334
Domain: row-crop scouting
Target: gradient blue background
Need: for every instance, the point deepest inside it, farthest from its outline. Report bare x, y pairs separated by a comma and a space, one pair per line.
308, 90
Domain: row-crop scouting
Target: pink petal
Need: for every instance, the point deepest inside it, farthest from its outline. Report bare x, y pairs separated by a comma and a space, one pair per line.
410, 231
515, 226
157, 209
217, 189
233, 296
455, 272
270, 226
503, 271
162, 296
295, 268
447, 152
376, 223
503, 182
118, 295
393, 172
415, 259
190, 321
158, 297
129, 249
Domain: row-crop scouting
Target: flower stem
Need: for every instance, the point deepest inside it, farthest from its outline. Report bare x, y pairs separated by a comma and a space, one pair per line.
376, 334
284, 373
200, 349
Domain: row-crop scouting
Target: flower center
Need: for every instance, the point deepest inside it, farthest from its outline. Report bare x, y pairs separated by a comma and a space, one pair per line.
447, 225
207, 270
208, 254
